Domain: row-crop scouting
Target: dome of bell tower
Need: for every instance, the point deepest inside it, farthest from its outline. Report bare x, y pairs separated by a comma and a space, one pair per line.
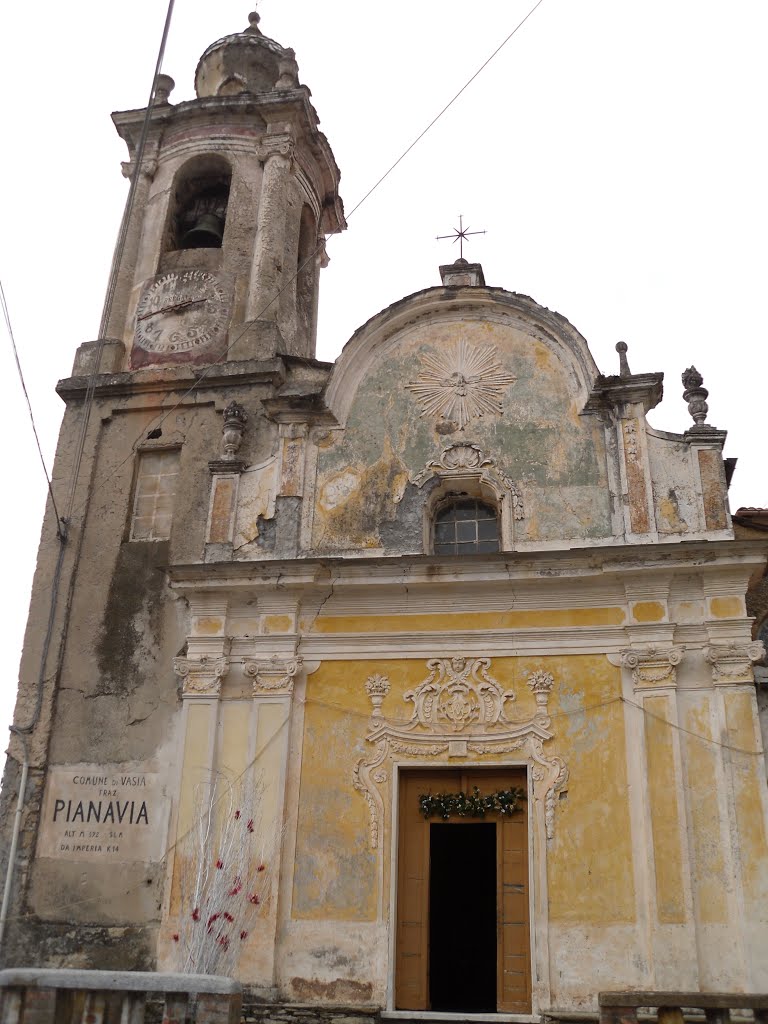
245, 62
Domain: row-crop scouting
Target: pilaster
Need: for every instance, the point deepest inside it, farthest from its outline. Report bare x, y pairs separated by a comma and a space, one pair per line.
706, 443
650, 673
627, 398
263, 335
225, 485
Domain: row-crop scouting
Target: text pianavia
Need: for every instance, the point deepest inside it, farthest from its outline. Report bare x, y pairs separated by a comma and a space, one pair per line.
128, 812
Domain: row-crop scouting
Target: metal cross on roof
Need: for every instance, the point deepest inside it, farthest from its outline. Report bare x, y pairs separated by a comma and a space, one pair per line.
460, 235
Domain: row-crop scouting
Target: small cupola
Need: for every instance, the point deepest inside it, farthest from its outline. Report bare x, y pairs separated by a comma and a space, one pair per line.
245, 62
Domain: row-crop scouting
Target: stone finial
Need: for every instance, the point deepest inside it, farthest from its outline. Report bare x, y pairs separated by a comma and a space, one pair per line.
624, 370
695, 395
253, 22
288, 70
235, 419
164, 86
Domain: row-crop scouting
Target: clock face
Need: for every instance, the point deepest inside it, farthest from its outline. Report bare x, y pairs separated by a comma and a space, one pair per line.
181, 311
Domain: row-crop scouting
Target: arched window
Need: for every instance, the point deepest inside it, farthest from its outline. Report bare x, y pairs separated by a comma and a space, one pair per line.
466, 526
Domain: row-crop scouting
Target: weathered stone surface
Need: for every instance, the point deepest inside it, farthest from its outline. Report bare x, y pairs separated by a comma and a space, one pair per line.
586, 635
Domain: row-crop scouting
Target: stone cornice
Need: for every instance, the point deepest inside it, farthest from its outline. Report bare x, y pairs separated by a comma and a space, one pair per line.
705, 436
271, 373
646, 389
610, 565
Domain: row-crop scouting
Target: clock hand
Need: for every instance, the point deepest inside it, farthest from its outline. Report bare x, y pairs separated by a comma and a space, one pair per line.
171, 309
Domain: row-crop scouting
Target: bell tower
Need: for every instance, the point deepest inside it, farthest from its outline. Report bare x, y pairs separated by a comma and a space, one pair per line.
225, 238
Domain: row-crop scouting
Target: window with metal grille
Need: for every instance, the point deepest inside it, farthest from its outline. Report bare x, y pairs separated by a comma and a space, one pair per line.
465, 527
155, 494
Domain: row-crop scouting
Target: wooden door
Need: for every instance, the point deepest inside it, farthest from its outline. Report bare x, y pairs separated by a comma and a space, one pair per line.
411, 956
513, 960
514, 938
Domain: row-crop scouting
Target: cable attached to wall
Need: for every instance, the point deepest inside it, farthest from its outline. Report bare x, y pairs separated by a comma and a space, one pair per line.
160, 418
62, 524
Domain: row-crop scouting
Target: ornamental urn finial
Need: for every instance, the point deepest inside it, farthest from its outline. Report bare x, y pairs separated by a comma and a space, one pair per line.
235, 419
695, 395
164, 86
377, 688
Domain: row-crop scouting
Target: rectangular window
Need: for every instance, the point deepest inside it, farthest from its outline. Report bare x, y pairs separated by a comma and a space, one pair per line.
155, 495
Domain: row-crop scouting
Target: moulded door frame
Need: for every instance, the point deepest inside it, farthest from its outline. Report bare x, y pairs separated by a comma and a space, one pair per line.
536, 891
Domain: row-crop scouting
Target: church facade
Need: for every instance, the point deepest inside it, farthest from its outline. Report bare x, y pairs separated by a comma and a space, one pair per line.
422, 681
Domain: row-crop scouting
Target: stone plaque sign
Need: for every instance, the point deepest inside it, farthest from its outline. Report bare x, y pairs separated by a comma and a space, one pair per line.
103, 813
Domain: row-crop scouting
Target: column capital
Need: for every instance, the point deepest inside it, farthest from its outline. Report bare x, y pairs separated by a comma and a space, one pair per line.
280, 144
652, 666
202, 676
272, 675
732, 661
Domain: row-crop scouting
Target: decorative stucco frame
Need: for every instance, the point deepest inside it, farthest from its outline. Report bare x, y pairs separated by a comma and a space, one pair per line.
459, 710
464, 467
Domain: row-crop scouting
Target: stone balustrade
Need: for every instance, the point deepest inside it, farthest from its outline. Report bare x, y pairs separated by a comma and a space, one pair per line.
32, 996
622, 1007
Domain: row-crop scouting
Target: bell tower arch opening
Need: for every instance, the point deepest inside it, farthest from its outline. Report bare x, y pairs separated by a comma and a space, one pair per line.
198, 213
306, 274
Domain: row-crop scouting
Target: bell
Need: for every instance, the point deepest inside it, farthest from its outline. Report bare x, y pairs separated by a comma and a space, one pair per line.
206, 234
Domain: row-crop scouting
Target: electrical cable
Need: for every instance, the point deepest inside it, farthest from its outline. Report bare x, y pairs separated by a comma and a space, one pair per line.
117, 257
160, 418
63, 524
9, 328
90, 391
351, 712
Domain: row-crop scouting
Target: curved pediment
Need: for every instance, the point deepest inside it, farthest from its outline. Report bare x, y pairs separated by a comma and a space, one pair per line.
493, 326
441, 380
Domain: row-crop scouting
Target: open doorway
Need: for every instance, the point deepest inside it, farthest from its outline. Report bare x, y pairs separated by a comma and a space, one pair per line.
463, 936
462, 916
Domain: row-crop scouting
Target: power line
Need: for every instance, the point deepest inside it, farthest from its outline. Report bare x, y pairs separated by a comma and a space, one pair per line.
117, 258
56, 579
352, 713
160, 418
7, 316
447, 106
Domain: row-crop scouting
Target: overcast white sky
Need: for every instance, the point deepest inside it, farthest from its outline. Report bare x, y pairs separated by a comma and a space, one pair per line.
614, 150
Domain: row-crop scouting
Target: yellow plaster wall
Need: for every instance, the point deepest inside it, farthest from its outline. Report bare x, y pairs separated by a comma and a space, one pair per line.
701, 756
747, 778
727, 607
648, 611
589, 861
524, 619
665, 813
335, 870
590, 875
197, 747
